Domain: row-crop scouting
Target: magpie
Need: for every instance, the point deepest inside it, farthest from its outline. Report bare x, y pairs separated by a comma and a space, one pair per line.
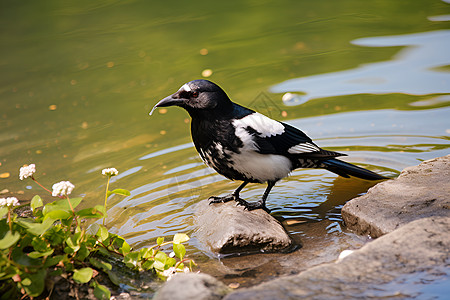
244, 145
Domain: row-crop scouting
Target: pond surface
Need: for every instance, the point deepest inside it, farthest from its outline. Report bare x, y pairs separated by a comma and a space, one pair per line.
78, 79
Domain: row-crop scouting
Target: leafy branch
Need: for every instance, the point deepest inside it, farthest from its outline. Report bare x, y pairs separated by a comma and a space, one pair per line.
54, 242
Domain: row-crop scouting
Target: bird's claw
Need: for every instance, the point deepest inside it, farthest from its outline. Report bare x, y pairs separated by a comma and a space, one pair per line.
252, 205
215, 199
239, 202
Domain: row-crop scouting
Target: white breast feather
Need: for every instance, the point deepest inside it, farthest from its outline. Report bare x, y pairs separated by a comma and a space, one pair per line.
262, 167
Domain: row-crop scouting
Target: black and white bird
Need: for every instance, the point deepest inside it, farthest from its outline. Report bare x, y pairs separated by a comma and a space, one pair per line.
244, 145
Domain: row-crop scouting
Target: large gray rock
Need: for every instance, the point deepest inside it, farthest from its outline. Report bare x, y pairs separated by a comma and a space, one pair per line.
192, 286
412, 261
227, 228
420, 191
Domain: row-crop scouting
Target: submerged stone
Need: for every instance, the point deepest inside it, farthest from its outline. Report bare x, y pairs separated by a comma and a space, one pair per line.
227, 228
192, 286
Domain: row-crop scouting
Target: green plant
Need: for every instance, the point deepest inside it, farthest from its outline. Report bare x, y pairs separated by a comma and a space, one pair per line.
54, 241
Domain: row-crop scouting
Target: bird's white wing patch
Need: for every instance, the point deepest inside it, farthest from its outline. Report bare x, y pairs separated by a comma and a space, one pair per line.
303, 148
265, 126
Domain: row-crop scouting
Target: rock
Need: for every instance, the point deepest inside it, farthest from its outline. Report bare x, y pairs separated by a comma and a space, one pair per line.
192, 286
411, 262
227, 228
420, 191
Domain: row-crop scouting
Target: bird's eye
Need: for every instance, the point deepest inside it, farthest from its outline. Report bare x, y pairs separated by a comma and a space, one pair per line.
194, 94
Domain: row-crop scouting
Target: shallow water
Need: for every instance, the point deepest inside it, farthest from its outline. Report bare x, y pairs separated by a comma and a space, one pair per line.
78, 81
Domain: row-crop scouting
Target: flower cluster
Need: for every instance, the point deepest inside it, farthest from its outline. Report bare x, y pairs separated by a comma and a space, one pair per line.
10, 201
27, 171
110, 172
170, 272
62, 188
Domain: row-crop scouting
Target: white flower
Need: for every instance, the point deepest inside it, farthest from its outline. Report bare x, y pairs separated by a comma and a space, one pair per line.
110, 172
10, 201
172, 271
169, 273
62, 188
27, 171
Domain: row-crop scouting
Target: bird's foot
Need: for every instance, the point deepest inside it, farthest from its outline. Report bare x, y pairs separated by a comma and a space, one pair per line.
252, 205
227, 198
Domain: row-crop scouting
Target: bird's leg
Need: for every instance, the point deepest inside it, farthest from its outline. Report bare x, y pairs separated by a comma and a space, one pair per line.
261, 203
233, 196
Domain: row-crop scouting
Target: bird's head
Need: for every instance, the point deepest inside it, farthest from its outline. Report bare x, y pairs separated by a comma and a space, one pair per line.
197, 97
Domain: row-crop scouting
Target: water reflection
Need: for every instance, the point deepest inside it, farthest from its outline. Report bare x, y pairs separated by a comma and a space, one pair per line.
413, 70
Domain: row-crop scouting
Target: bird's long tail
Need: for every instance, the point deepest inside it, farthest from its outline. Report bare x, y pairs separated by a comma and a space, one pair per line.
345, 169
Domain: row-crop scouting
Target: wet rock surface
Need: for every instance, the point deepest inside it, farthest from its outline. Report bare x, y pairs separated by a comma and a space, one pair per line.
227, 228
401, 264
192, 286
420, 191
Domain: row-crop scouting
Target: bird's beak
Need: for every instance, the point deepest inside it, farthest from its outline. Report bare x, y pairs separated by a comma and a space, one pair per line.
172, 100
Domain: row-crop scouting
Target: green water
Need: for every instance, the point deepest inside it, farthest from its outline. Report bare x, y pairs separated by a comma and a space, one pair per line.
78, 79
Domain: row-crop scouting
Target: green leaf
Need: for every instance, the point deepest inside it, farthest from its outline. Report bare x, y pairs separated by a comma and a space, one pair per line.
56, 235
101, 265
103, 251
101, 292
39, 244
125, 249
146, 253
82, 275
102, 233
117, 240
114, 278
34, 283
36, 228
148, 264
9, 239
158, 265
101, 209
36, 254
180, 266
132, 258
122, 192
179, 250
36, 202
83, 252
56, 272
53, 260
73, 243
180, 238
160, 260
19, 257
3, 211
160, 240
61, 204
58, 214
89, 213
170, 262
